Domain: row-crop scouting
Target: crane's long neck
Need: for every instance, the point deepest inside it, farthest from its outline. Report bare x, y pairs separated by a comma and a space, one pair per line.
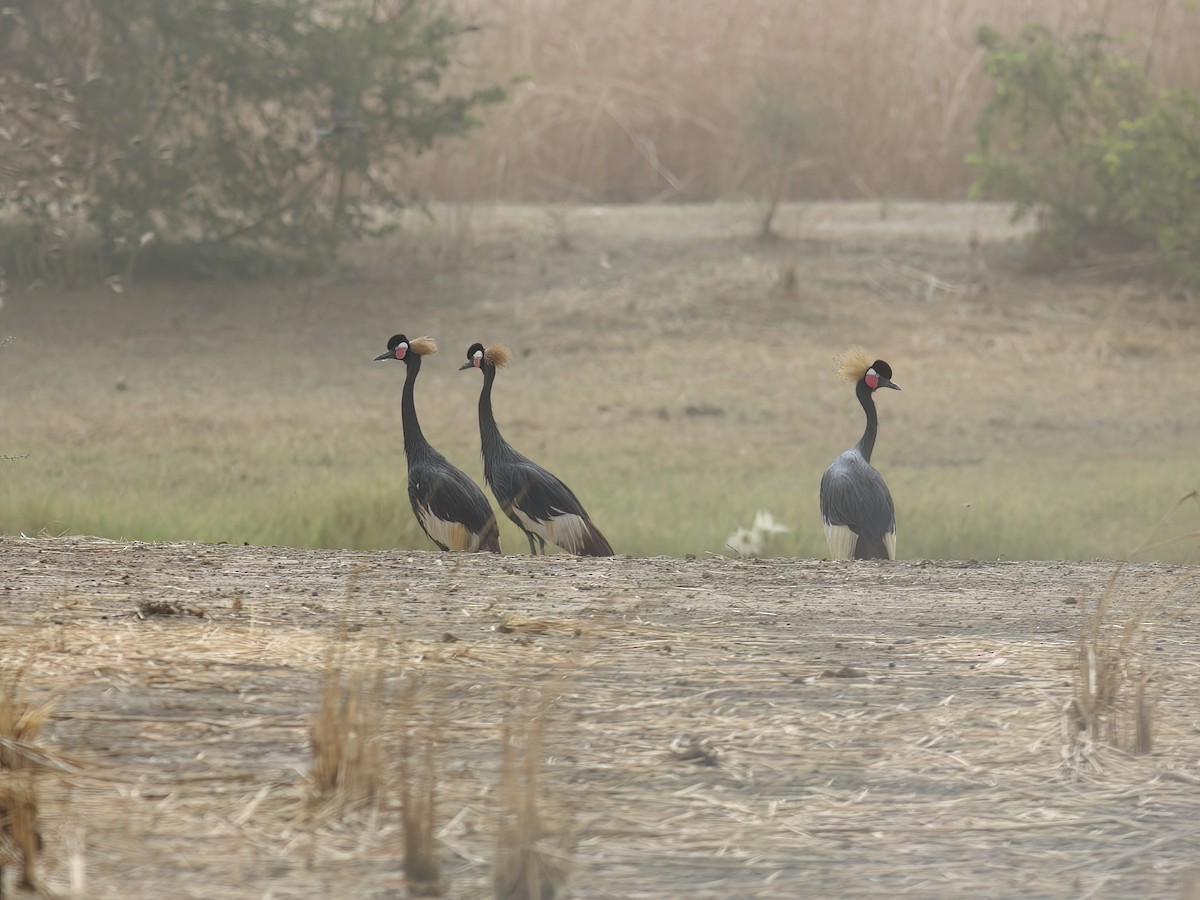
414, 440
489, 433
866, 444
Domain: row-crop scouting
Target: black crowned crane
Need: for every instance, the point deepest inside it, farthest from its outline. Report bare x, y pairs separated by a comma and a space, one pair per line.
537, 502
860, 520
449, 506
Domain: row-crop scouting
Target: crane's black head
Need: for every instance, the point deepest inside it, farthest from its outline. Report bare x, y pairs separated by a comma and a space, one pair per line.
879, 375
397, 348
487, 359
475, 354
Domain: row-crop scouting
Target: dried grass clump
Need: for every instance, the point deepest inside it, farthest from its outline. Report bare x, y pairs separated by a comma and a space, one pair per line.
20, 759
1114, 689
532, 857
1115, 685
1109, 659
348, 764
418, 802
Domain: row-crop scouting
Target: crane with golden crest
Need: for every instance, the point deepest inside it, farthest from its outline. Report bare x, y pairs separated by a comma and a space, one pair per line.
856, 505
537, 501
449, 506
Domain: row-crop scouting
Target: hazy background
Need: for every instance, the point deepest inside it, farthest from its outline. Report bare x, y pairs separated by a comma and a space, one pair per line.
639, 100
668, 365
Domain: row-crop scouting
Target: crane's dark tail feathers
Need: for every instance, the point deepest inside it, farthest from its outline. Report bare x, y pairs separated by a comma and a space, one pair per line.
490, 539
594, 543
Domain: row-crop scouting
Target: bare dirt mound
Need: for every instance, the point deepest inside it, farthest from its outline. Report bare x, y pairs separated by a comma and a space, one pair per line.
715, 727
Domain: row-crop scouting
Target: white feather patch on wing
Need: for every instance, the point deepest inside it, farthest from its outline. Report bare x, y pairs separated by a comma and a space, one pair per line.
454, 535
842, 541
889, 541
567, 530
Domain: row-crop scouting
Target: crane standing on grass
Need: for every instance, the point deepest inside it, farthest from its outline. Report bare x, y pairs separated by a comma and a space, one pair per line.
449, 506
856, 505
536, 501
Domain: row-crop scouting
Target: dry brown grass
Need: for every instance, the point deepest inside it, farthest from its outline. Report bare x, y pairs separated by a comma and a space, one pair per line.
736, 729
634, 100
20, 760
418, 800
347, 751
1110, 701
1116, 682
533, 852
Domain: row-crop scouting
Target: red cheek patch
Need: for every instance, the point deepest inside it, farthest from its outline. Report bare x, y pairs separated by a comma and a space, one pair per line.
872, 380
400, 351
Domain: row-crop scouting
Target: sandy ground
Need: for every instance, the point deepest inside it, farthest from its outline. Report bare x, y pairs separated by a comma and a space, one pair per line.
716, 727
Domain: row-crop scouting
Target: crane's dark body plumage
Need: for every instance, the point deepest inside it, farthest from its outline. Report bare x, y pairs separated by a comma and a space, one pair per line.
450, 508
856, 505
537, 501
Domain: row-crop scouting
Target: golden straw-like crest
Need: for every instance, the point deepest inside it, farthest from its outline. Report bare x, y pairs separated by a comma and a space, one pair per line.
423, 346
497, 355
852, 365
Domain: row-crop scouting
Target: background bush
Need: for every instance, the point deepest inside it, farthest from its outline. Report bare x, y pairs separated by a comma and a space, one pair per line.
197, 135
1076, 134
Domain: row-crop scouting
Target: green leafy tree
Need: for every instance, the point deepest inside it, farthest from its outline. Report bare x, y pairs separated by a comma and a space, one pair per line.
213, 135
1078, 136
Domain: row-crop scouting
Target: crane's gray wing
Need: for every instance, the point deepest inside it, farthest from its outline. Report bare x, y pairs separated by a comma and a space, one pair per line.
854, 494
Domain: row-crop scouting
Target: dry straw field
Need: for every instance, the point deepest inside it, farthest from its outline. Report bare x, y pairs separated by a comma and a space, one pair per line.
247, 722
635, 100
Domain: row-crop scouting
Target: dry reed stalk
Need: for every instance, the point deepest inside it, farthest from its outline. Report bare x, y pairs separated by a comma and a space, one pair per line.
20, 833
348, 765
418, 802
532, 856
1111, 656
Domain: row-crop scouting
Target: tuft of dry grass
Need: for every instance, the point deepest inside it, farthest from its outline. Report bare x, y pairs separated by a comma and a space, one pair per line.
1109, 658
418, 802
20, 759
1115, 684
347, 753
532, 858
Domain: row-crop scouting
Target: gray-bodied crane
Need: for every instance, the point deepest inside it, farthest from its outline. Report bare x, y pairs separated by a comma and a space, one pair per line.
449, 506
856, 505
536, 501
